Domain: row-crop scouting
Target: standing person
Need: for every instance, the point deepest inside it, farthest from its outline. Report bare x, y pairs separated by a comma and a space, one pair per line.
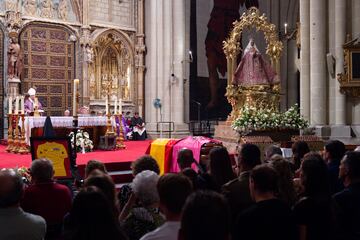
347, 202
173, 190
205, 216
138, 127
237, 191
47, 198
269, 218
334, 151
220, 166
91, 218
286, 190
15, 224
30, 103
314, 212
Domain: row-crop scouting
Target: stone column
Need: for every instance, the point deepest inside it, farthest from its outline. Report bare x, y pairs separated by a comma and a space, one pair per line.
305, 58
318, 113
151, 83
340, 35
179, 65
292, 84
356, 33
140, 51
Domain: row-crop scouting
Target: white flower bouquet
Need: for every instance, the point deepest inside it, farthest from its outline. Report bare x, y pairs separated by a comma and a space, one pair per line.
265, 119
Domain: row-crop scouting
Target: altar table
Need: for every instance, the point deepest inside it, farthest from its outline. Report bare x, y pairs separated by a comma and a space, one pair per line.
64, 122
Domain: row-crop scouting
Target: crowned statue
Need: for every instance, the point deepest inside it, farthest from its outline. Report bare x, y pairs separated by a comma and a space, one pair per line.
253, 69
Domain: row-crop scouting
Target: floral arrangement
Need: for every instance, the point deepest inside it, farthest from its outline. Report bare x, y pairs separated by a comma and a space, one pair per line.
266, 119
83, 141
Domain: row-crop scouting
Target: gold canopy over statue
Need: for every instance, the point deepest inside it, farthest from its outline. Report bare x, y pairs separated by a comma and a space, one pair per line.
253, 82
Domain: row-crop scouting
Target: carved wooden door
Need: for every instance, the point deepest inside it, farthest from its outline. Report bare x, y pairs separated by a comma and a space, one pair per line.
49, 66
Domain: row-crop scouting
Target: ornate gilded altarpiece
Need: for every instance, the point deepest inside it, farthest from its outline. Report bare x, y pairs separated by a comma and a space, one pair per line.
49, 65
112, 62
2, 84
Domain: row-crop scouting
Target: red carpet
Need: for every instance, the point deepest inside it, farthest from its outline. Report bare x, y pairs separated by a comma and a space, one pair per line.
134, 149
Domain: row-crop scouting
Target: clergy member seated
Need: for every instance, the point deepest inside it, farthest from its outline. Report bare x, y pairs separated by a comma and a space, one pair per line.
138, 127
31, 102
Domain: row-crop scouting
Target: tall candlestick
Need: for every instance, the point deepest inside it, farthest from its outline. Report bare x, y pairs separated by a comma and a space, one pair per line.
22, 106
76, 84
10, 105
120, 106
107, 106
17, 105
115, 106
285, 25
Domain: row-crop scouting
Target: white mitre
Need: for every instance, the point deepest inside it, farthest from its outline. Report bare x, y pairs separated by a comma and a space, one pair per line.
32, 92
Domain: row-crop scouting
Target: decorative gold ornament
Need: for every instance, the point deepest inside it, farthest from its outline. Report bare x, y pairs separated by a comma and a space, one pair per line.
259, 96
350, 79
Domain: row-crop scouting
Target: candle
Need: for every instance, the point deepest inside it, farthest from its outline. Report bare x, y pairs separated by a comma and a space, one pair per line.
17, 105
10, 105
76, 84
36, 104
22, 105
115, 106
107, 106
285, 25
120, 106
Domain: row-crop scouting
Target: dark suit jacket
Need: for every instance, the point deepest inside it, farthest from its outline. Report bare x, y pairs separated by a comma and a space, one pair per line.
237, 193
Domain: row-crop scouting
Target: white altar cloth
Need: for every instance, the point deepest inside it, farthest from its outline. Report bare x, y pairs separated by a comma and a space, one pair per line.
83, 121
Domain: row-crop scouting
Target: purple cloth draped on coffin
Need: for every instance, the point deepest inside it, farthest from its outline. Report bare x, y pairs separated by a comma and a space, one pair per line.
192, 143
125, 127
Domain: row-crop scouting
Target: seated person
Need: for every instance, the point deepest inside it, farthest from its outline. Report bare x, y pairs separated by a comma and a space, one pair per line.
30, 103
138, 127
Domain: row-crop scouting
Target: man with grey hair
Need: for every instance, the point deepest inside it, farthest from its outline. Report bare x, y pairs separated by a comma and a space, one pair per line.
47, 198
15, 223
139, 220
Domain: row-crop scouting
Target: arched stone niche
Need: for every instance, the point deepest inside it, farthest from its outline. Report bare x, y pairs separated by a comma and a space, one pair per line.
111, 58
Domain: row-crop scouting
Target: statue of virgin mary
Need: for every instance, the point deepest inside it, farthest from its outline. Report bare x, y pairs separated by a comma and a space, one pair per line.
253, 69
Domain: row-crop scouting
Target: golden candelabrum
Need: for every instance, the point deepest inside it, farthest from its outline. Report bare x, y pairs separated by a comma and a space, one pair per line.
120, 139
16, 131
109, 129
107, 89
23, 148
10, 146
16, 138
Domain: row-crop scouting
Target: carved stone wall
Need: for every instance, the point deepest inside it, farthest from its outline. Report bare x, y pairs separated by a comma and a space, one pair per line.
120, 13
49, 65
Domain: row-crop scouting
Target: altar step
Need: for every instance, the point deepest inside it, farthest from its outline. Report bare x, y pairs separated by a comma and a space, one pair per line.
120, 172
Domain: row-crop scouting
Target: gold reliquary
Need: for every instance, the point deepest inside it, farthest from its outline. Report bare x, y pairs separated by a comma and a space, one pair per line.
350, 79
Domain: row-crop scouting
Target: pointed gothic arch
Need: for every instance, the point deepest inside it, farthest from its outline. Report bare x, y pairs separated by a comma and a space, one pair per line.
113, 61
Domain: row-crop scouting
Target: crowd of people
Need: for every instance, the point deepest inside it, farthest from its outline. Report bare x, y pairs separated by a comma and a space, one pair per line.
312, 196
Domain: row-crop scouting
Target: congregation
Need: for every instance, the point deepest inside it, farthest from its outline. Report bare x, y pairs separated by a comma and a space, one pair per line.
311, 196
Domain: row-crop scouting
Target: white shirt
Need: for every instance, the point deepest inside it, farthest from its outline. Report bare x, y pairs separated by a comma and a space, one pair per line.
167, 231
